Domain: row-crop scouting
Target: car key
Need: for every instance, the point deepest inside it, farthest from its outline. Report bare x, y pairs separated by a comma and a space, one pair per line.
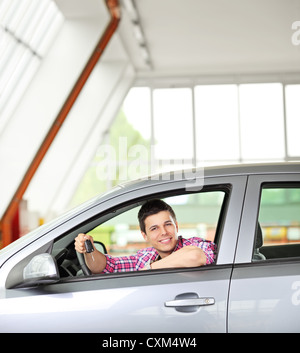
89, 247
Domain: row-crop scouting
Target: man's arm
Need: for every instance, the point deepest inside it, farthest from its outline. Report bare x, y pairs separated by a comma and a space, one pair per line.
95, 261
188, 256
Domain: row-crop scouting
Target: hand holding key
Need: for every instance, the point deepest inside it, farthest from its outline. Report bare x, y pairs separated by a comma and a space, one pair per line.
89, 247
80, 243
94, 259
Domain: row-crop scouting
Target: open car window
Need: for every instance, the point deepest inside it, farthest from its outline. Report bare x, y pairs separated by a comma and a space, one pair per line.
198, 214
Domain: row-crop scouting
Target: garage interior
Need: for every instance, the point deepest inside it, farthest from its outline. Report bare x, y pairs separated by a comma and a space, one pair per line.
94, 93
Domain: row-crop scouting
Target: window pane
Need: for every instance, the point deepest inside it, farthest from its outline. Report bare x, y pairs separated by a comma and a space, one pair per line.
217, 128
262, 127
27, 29
292, 95
279, 217
173, 123
137, 108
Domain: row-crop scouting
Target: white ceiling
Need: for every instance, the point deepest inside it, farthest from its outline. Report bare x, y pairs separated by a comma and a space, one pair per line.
214, 37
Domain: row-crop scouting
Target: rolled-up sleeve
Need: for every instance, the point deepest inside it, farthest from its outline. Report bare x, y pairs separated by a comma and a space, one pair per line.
120, 264
209, 248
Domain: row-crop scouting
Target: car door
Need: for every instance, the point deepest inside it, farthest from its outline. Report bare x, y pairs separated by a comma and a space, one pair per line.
167, 300
265, 292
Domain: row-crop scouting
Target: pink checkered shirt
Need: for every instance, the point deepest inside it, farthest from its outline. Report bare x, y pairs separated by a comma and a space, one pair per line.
144, 256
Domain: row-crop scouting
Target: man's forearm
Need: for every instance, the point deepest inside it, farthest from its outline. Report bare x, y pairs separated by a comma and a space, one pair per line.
95, 261
188, 256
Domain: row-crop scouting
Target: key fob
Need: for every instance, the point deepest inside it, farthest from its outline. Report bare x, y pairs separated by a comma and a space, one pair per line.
88, 246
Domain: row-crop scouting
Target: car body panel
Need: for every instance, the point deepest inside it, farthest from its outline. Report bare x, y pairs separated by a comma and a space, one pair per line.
265, 298
118, 304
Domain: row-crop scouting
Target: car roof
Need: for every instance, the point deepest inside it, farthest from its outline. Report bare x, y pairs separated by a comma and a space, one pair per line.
200, 172
254, 168
217, 171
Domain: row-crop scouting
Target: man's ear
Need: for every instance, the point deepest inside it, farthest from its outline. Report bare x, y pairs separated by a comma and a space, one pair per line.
144, 236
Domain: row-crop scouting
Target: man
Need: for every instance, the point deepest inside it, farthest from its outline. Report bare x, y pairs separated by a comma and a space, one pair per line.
159, 227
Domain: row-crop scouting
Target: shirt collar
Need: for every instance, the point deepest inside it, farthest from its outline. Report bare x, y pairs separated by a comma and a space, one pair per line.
177, 247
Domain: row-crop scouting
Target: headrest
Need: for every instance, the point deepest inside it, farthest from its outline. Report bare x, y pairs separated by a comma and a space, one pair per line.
258, 237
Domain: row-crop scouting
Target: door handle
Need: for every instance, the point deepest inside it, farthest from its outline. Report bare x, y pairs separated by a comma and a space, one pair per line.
189, 302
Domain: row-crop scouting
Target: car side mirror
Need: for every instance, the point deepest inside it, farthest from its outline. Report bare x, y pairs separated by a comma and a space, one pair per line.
100, 246
42, 269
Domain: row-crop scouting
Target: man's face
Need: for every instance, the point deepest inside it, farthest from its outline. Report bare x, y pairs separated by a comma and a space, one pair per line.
161, 232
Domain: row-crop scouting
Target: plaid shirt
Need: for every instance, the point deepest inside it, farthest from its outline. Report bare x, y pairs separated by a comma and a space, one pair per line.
148, 255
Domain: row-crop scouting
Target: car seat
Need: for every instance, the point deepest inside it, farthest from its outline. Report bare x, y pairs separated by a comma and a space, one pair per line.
257, 255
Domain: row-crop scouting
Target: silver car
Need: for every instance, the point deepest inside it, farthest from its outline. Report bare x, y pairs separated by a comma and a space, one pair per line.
252, 214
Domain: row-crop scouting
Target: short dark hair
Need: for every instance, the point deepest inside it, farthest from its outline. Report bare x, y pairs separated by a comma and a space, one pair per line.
152, 207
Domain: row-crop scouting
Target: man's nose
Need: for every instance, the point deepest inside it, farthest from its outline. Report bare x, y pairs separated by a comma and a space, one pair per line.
164, 230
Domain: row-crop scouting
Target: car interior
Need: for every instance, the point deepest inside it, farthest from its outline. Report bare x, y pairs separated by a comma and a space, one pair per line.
278, 227
112, 235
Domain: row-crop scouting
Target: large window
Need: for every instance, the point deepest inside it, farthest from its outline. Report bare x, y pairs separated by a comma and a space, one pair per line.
162, 129
217, 124
173, 123
262, 124
137, 108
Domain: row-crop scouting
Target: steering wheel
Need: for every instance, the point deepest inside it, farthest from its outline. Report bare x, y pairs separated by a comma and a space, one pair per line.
86, 271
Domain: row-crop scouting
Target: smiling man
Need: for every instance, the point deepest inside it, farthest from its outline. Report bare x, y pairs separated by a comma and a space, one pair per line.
159, 227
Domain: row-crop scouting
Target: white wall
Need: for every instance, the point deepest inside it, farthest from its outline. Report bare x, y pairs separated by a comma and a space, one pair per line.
77, 140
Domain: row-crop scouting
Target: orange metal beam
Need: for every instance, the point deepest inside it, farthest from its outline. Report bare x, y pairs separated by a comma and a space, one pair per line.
6, 222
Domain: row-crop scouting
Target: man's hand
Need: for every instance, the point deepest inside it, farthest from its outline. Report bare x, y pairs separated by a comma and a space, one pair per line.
79, 242
95, 261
